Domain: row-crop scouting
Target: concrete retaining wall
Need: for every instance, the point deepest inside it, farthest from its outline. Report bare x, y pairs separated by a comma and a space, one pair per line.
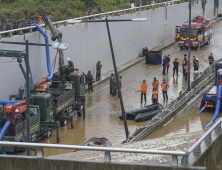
89, 43
31, 163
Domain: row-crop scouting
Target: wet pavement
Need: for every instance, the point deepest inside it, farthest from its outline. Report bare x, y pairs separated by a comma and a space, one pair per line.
102, 109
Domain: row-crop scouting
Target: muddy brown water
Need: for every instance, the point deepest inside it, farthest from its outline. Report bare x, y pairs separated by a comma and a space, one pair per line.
102, 109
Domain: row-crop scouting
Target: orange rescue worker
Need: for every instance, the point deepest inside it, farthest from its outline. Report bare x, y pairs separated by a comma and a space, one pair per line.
211, 58
183, 63
143, 91
175, 66
155, 83
165, 86
155, 96
186, 70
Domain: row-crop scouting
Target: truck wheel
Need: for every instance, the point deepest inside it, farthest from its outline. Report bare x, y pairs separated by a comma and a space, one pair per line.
64, 122
208, 42
80, 112
181, 47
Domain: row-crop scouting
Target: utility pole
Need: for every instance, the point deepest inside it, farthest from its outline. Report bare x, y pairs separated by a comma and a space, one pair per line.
189, 46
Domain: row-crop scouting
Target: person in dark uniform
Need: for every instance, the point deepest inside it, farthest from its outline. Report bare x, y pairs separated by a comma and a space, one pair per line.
90, 81
98, 70
120, 84
99, 8
175, 66
18, 118
168, 62
70, 67
1, 23
62, 87
89, 10
111, 79
164, 65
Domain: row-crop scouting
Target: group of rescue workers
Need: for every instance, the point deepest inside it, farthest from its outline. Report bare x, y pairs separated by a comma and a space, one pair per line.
155, 92
165, 85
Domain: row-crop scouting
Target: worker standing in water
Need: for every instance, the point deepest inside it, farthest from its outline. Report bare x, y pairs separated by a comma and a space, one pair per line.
143, 91
183, 63
165, 86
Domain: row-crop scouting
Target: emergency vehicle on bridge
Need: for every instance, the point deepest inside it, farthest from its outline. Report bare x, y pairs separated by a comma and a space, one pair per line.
201, 32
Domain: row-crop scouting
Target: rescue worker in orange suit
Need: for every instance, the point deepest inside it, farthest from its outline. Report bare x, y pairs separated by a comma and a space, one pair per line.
186, 70
211, 58
155, 83
175, 66
165, 86
143, 91
183, 63
155, 96
194, 63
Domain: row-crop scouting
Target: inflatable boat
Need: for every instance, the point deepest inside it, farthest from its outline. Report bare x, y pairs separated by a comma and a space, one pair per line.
142, 114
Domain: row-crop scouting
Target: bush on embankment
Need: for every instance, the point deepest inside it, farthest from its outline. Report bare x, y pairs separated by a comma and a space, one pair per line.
60, 10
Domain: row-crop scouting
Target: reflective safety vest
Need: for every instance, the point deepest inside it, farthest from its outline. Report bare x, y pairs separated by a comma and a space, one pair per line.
211, 59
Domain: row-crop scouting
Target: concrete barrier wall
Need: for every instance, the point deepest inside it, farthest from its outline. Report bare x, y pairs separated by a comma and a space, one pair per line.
89, 43
31, 163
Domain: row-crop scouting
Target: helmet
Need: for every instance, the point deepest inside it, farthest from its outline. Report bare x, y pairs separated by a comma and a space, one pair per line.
68, 59
16, 110
196, 58
175, 58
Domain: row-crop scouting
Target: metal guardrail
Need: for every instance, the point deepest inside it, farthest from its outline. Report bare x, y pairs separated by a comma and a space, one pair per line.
207, 76
107, 150
94, 17
196, 148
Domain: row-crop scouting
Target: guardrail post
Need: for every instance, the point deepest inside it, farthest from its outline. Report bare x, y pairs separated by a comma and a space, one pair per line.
185, 160
174, 161
72, 122
218, 128
20, 32
123, 11
112, 14
106, 15
198, 148
208, 138
107, 157
0, 36
58, 130
57, 25
100, 16
10, 34
40, 153
30, 30
87, 18
94, 18
65, 23
118, 13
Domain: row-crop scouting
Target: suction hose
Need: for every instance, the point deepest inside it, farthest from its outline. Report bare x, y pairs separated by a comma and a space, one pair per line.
47, 56
217, 107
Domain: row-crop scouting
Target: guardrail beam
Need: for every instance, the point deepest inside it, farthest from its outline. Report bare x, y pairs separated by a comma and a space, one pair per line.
107, 157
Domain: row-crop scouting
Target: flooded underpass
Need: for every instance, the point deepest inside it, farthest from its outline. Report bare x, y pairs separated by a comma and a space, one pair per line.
102, 109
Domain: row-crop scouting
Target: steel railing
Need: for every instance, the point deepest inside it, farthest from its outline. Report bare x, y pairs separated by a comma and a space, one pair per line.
196, 148
95, 16
107, 150
206, 77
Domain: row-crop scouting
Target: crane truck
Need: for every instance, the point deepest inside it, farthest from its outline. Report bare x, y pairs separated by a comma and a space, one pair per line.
47, 104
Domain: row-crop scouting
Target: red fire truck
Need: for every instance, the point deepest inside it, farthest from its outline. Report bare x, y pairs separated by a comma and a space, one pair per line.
201, 32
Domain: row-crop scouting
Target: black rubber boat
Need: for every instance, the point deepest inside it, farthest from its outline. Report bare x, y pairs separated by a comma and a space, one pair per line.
150, 114
142, 114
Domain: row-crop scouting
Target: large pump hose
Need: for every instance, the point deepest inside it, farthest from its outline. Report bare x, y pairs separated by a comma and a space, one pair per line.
217, 107
5, 127
47, 53
5, 102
